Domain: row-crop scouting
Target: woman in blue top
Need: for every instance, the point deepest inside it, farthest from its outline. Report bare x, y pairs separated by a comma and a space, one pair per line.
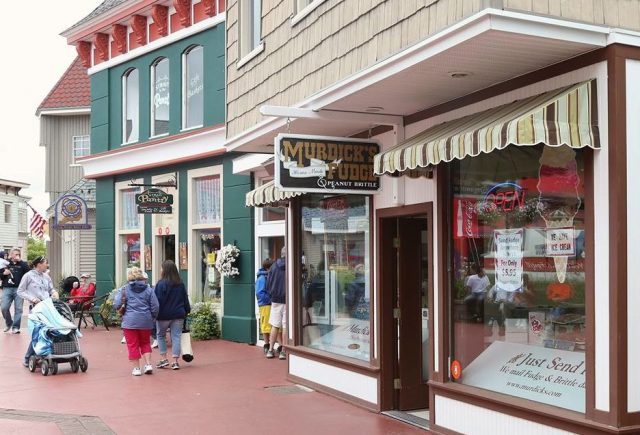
141, 309
174, 307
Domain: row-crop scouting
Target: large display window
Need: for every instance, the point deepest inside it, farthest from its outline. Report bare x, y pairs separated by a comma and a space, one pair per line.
335, 270
518, 245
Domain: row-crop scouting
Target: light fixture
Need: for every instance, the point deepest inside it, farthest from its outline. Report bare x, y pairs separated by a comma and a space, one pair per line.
374, 109
458, 74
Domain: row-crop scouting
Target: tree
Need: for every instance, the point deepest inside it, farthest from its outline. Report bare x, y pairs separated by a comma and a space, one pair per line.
35, 248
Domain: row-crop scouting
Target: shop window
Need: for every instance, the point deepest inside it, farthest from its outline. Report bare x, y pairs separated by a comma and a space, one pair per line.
130, 245
192, 88
160, 97
271, 247
335, 271
250, 25
130, 106
207, 200
81, 145
518, 280
129, 217
208, 280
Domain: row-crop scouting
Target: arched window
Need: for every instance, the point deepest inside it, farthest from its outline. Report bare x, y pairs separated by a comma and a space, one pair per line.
160, 97
130, 106
192, 88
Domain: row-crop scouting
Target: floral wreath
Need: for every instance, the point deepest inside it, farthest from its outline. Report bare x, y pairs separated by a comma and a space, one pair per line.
225, 259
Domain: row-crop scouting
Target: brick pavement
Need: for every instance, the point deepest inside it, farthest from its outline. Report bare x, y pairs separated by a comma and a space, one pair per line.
229, 388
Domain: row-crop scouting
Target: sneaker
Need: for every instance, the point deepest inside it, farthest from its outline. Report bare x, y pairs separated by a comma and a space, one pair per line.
162, 363
25, 363
148, 369
270, 354
7, 329
123, 341
15, 331
154, 344
136, 372
282, 355
265, 348
175, 366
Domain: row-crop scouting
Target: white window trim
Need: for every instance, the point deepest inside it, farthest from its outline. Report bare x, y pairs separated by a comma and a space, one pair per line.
300, 15
119, 186
253, 53
156, 264
192, 228
73, 147
184, 89
152, 106
123, 109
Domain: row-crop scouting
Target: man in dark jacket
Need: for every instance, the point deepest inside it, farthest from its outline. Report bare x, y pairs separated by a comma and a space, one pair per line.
278, 316
11, 277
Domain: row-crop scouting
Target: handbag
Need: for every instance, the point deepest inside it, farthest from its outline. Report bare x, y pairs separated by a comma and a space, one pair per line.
185, 343
123, 307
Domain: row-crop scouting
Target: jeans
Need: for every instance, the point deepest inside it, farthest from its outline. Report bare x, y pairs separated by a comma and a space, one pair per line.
30, 351
175, 327
10, 295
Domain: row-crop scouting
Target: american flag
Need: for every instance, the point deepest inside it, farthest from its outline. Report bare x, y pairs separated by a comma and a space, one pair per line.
37, 224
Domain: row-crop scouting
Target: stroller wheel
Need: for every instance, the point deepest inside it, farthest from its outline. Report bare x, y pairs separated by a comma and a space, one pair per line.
32, 364
74, 365
84, 364
44, 368
54, 368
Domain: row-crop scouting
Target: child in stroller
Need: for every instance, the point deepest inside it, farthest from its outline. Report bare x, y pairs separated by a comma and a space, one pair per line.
54, 338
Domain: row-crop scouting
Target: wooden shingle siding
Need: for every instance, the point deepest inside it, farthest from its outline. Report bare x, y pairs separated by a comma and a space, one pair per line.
342, 37
87, 247
336, 40
615, 13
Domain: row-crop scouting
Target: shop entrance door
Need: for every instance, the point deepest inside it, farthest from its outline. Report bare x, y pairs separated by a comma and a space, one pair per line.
406, 286
167, 248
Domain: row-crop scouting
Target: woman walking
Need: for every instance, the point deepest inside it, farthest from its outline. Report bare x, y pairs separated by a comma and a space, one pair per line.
140, 310
174, 307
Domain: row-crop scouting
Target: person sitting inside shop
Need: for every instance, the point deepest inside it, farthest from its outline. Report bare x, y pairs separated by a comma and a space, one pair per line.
476, 285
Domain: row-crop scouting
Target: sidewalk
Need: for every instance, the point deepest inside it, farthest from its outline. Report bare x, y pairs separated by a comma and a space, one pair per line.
225, 390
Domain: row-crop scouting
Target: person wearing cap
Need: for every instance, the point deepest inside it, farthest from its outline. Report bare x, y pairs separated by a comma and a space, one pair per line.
83, 293
11, 278
35, 287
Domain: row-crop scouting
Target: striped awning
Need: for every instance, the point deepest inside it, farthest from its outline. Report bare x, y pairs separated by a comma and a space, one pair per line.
567, 116
268, 194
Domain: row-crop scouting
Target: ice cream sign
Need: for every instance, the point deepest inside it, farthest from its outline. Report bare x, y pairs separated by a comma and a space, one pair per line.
325, 164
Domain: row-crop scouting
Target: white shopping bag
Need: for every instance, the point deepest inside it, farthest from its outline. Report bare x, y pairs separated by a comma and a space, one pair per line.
185, 346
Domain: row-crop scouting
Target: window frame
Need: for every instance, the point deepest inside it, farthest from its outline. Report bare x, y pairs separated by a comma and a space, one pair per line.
80, 139
250, 42
184, 97
120, 232
152, 106
302, 12
124, 109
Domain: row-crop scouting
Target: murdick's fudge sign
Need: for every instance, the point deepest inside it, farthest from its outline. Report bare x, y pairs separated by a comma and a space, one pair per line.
325, 164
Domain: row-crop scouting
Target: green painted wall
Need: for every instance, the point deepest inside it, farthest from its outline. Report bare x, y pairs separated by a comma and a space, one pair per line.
100, 112
105, 235
212, 41
239, 321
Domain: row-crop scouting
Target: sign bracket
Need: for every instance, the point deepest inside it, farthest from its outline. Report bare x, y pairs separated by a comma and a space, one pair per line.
173, 182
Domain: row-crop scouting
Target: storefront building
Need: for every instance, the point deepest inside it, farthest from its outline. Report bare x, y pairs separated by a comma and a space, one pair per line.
157, 128
485, 286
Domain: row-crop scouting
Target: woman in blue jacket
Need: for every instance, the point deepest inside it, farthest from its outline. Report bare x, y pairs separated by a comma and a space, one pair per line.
141, 309
174, 307
264, 301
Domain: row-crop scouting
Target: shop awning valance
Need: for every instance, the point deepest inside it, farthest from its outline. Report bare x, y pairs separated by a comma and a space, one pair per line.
267, 194
566, 116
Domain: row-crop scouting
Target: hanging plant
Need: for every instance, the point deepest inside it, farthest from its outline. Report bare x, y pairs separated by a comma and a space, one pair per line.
225, 260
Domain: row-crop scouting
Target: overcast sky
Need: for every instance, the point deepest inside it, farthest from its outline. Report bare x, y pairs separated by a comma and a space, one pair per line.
34, 57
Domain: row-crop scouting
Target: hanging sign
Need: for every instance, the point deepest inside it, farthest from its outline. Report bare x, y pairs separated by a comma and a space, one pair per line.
509, 254
154, 201
325, 164
71, 213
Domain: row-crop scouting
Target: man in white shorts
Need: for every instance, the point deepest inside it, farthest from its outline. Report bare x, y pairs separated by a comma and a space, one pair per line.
278, 317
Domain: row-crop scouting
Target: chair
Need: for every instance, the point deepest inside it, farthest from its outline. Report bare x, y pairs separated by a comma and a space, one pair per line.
98, 306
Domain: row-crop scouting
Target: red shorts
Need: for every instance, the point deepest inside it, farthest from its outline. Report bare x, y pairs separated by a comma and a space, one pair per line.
138, 342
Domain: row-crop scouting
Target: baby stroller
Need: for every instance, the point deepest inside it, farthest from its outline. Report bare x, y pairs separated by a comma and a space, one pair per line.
64, 345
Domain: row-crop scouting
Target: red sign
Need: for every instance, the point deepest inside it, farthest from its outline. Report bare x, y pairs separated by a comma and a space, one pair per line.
456, 370
466, 218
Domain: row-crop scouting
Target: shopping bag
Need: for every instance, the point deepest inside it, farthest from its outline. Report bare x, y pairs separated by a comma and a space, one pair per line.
185, 344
